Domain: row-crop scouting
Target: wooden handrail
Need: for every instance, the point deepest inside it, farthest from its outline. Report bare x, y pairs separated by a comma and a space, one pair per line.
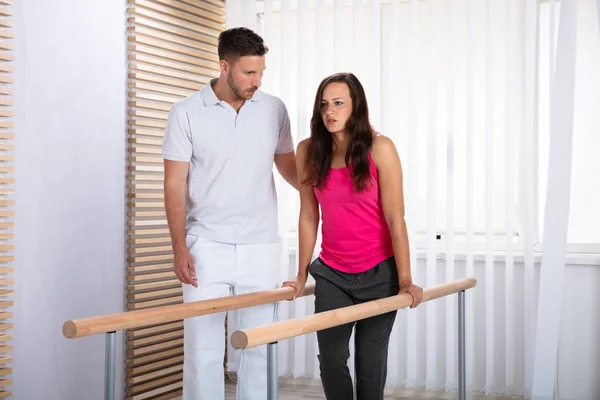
135, 319
248, 338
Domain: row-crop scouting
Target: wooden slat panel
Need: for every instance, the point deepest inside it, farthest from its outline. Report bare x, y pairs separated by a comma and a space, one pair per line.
155, 303
155, 285
163, 80
149, 23
5, 394
154, 357
157, 329
155, 383
210, 68
142, 95
178, 334
195, 16
152, 249
154, 367
148, 58
177, 291
155, 347
207, 49
155, 374
160, 88
150, 105
173, 54
6, 360
152, 393
217, 7
205, 35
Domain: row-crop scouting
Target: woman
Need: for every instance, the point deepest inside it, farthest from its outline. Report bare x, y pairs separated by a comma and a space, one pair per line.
355, 176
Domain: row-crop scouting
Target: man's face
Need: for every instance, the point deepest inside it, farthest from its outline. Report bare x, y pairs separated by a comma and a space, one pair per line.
245, 76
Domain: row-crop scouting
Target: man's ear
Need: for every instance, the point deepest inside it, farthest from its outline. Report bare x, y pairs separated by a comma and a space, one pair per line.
225, 67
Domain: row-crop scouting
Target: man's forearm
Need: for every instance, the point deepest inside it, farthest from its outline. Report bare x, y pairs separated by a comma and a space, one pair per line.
175, 206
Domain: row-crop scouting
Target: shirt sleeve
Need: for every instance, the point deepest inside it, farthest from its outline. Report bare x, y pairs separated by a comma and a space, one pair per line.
285, 143
177, 143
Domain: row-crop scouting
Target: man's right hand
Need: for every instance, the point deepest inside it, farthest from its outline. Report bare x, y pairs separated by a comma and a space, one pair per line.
184, 266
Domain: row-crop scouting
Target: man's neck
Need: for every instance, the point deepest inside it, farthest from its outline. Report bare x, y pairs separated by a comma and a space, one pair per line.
224, 93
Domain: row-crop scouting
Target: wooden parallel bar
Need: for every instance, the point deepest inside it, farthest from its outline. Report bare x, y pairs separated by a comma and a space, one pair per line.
249, 338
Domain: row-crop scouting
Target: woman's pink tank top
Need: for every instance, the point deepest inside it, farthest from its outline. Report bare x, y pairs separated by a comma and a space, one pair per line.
356, 236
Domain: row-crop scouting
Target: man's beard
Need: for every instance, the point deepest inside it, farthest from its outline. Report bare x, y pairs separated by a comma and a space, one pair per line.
239, 93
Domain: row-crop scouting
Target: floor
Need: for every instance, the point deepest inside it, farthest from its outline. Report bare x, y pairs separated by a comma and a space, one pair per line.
310, 389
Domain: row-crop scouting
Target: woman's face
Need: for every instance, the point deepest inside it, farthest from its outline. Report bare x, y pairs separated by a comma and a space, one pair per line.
336, 106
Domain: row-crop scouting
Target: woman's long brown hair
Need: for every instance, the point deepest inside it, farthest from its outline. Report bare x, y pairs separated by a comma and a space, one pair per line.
319, 154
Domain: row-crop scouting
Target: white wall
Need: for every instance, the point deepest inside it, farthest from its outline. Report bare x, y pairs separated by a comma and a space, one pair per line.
70, 191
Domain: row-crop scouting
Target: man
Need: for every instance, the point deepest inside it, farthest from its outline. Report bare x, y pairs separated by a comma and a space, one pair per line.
219, 147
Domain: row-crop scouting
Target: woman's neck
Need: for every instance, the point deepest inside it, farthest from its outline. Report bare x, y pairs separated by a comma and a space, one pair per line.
340, 141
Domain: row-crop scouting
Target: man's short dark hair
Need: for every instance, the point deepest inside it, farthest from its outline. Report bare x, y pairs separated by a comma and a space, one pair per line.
238, 42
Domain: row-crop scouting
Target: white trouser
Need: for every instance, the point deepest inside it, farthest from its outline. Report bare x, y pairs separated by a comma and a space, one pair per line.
223, 269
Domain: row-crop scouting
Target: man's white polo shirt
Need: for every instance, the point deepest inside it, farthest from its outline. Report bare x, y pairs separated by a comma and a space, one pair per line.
231, 190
